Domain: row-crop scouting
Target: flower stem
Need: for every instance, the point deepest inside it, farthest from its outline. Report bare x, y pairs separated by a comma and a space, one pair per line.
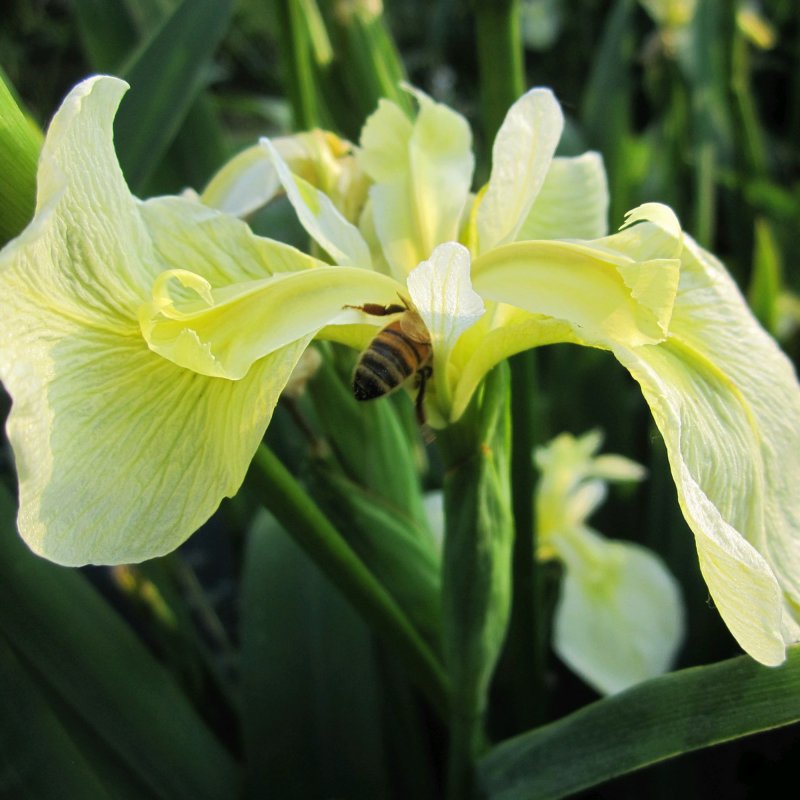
281, 493
500, 58
502, 81
297, 56
476, 567
527, 647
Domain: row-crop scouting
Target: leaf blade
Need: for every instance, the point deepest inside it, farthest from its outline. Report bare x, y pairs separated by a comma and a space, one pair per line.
164, 87
89, 658
654, 721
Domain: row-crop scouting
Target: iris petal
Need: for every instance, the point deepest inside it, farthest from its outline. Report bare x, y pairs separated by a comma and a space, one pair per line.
202, 329
521, 156
442, 293
422, 172
619, 618
726, 401
572, 203
121, 454
320, 217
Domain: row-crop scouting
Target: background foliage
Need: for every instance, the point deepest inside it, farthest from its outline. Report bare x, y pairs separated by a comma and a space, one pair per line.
257, 658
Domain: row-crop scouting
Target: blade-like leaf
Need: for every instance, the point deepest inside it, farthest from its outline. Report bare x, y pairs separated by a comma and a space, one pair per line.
110, 31
371, 442
402, 556
38, 758
659, 719
20, 142
107, 32
766, 280
79, 647
282, 495
310, 689
163, 86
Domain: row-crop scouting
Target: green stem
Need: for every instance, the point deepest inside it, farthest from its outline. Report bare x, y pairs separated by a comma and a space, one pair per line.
295, 510
500, 59
526, 650
502, 81
751, 142
704, 185
297, 56
476, 567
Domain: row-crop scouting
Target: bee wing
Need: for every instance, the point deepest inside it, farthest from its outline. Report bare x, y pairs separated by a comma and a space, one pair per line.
412, 326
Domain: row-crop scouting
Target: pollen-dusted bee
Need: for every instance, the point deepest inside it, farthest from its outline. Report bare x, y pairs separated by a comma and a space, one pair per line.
399, 350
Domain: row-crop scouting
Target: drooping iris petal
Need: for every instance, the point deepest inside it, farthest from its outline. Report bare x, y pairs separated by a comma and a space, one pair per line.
442, 293
421, 175
224, 331
521, 156
604, 295
320, 217
572, 202
726, 401
120, 454
724, 397
619, 615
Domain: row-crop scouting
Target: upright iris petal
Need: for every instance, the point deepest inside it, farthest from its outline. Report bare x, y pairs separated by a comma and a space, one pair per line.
421, 173
441, 291
535, 121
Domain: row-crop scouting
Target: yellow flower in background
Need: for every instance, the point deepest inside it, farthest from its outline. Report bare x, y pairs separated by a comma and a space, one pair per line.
249, 181
619, 618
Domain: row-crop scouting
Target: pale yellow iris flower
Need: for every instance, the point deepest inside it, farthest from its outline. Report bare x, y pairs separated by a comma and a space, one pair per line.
145, 344
619, 617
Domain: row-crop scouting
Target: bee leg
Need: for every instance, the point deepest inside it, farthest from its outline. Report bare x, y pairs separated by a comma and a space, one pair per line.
377, 310
422, 376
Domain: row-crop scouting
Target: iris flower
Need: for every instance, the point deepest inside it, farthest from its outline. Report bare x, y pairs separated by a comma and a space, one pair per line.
145, 344
619, 617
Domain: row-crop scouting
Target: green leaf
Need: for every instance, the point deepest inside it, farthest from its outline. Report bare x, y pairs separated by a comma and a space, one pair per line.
367, 64
402, 556
607, 103
163, 87
84, 653
37, 759
107, 32
20, 142
371, 442
654, 721
110, 31
310, 688
765, 283
299, 68
310, 528
501, 59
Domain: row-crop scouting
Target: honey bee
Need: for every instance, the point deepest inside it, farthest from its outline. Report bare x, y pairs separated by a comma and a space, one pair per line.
399, 350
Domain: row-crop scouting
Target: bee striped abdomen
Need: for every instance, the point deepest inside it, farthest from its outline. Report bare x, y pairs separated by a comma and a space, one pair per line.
390, 359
